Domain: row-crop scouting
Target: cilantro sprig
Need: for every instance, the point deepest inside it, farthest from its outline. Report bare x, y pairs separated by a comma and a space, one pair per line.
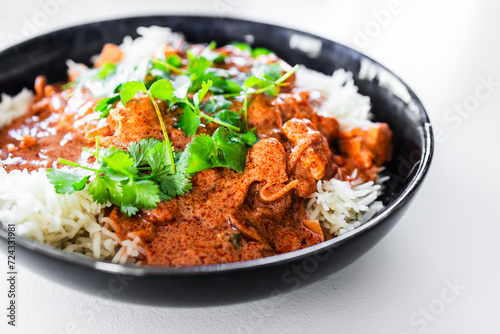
134, 179
255, 52
263, 84
161, 89
190, 120
224, 148
171, 64
151, 171
105, 70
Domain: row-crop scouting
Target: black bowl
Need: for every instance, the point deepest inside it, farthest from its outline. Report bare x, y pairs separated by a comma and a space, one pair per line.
393, 102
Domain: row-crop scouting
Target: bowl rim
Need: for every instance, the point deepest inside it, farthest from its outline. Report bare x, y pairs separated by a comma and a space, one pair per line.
404, 196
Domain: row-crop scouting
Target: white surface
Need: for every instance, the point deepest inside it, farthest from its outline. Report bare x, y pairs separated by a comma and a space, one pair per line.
441, 49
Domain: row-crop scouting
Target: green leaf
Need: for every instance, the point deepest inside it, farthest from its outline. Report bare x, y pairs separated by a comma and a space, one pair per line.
175, 185
198, 97
257, 81
129, 89
242, 46
189, 121
262, 83
181, 89
105, 70
80, 185
199, 153
220, 59
157, 158
197, 68
235, 239
121, 162
272, 71
232, 148
260, 51
162, 89
142, 194
104, 106
66, 182
174, 60
139, 151
128, 210
217, 102
229, 116
105, 190
250, 137
223, 85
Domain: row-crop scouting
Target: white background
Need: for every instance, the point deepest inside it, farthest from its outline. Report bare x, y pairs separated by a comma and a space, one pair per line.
451, 235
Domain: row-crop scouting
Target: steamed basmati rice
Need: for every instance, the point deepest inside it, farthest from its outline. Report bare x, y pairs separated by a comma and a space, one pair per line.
13, 107
342, 98
341, 206
72, 222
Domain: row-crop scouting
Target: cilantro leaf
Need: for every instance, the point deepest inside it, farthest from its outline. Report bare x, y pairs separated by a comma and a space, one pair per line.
141, 194
129, 89
139, 151
175, 185
174, 60
232, 148
104, 189
250, 137
257, 81
189, 121
120, 163
217, 102
157, 159
104, 106
66, 182
260, 51
162, 89
105, 70
197, 69
272, 71
242, 46
230, 117
135, 179
199, 153
222, 85
198, 97
224, 149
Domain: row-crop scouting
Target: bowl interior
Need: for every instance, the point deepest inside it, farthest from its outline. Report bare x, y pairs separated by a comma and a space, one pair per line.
393, 102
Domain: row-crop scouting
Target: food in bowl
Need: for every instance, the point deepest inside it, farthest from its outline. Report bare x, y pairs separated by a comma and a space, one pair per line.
167, 153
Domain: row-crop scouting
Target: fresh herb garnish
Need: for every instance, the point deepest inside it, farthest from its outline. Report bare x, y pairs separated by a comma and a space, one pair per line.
151, 171
161, 89
254, 52
224, 148
172, 64
235, 239
134, 179
104, 106
264, 85
105, 70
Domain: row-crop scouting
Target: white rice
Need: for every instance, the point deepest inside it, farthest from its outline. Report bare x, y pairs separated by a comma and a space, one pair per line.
342, 98
136, 55
341, 206
72, 222
13, 107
